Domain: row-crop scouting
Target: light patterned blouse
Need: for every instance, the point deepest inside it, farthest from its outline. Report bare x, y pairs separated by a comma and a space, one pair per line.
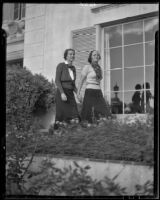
91, 80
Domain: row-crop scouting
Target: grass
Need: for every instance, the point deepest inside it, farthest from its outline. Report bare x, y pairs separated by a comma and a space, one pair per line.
108, 141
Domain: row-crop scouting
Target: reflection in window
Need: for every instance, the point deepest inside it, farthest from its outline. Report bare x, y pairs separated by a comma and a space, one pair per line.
150, 27
152, 100
133, 32
116, 58
132, 77
149, 53
23, 10
116, 78
16, 10
148, 97
150, 75
19, 11
116, 102
113, 36
133, 55
127, 63
133, 101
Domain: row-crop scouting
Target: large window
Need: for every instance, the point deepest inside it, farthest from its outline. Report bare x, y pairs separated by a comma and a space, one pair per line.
129, 66
19, 11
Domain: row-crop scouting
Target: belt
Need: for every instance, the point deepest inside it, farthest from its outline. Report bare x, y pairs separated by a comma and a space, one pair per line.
93, 83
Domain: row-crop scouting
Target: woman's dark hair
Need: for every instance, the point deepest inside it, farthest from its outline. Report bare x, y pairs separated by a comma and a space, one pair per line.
138, 87
90, 56
66, 52
147, 85
95, 66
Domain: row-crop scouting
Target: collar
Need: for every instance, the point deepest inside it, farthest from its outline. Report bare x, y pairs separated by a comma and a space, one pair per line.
66, 62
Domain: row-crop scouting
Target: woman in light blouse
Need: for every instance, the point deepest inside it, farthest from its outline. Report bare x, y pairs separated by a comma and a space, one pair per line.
94, 105
66, 107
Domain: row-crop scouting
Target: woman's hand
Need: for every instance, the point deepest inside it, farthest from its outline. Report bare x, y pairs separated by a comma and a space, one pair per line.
63, 97
79, 97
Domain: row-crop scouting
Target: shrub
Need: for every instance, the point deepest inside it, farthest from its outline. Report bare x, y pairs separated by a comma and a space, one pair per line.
108, 139
26, 94
17, 145
72, 181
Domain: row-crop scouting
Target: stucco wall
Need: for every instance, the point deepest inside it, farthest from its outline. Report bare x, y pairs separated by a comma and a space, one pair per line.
34, 37
48, 29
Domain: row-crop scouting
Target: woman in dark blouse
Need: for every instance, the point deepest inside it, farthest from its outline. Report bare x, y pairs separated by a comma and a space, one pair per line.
66, 107
136, 100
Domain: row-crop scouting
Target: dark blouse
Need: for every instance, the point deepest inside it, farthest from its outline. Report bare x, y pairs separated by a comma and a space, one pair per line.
63, 79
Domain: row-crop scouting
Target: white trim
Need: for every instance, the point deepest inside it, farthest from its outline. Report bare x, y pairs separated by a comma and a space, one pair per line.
123, 69
102, 61
144, 58
103, 7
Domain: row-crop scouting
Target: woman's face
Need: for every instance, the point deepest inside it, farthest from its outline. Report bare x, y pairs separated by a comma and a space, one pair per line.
70, 56
95, 56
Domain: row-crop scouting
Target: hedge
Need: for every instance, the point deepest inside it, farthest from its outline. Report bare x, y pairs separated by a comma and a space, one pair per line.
26, 94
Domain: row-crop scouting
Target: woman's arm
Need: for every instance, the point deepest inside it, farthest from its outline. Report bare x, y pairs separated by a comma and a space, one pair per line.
74, 73
82, 78
58, 82
58, 78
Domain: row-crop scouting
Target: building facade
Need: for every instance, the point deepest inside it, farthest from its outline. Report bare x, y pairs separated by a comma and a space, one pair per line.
124, 34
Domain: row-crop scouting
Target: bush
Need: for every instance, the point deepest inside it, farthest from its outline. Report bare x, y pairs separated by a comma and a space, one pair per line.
108, 139
72, 181
26, 94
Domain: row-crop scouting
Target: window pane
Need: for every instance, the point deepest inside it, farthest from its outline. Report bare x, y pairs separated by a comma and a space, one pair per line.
113, 36
132, 77
116, 79
150, 26
116, 58
133, 32
16, 11
23, 10
116, 103
149, 53
107, 77
133, 55
150, 76
16, 14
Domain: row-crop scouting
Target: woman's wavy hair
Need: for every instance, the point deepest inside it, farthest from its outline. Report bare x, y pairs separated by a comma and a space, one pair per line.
90, 56
66, 52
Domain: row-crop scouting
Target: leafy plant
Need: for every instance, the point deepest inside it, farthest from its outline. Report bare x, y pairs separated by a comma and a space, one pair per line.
146, 189
17, 145
74, 181
106, 139
25, 95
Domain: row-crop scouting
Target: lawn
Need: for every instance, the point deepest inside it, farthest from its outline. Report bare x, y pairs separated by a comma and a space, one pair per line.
108, 140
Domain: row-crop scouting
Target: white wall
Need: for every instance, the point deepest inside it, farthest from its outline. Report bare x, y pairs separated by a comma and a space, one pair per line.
129, 174
48, 29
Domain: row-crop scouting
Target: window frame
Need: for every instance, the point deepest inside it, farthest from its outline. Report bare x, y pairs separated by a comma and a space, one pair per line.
21, 6
108, 71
